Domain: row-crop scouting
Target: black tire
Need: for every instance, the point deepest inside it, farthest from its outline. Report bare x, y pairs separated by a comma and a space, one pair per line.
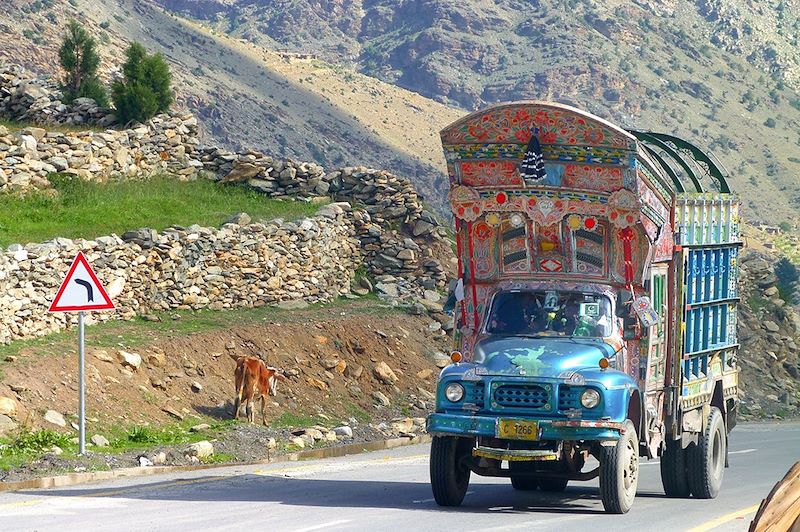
674, 476
449, 472
706, 460
554, 485
523, 483
619, 472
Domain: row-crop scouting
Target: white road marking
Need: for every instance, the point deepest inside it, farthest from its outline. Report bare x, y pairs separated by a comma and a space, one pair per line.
325, 525
311, 469
743, 451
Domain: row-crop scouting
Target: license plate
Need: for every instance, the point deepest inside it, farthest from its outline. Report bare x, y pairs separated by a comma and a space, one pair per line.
517, 429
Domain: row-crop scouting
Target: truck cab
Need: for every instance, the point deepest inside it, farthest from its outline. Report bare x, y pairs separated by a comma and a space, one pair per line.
581, 328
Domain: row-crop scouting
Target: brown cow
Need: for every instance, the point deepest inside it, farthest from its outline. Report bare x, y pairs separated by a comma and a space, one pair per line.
254, 378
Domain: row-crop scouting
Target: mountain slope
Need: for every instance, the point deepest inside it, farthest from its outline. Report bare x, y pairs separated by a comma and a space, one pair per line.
723, 73
249, 97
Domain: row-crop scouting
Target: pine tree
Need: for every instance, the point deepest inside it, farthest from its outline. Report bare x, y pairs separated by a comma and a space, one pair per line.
145, 89
79, 59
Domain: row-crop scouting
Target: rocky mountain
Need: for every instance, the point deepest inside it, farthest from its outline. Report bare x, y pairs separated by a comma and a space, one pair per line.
248, 97
723, 73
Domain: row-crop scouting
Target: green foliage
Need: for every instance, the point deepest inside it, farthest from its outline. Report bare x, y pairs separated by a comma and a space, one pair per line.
33, 442
87, 210
79, 59
785, 226
145, 90
140, 434
770, 122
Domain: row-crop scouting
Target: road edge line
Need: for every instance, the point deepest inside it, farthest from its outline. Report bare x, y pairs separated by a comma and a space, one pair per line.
72, 479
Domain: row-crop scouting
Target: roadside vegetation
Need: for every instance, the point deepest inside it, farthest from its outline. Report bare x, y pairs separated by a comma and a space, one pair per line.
81, 209
25, 445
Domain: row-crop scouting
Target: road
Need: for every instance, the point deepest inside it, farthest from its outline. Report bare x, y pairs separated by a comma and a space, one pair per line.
390, 491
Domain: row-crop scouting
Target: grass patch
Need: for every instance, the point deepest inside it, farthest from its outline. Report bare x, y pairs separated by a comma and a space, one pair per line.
757, 303
356, 412
15, 126
82, 209
27, 445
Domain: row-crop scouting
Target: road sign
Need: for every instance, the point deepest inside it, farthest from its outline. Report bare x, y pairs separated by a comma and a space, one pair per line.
81, 290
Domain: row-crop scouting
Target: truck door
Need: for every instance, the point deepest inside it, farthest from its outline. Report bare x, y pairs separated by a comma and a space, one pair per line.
655, 363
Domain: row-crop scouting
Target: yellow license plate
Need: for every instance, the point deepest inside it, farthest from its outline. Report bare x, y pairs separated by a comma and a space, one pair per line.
517, 429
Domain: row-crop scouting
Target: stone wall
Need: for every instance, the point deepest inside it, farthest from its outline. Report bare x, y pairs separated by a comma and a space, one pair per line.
396, 239
247, 265
165, 144
24, 96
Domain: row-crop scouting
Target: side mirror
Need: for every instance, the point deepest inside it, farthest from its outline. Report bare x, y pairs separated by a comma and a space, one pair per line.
624, 298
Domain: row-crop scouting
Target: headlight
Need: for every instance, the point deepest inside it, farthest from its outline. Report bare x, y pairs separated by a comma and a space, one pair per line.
590, 398
454, 392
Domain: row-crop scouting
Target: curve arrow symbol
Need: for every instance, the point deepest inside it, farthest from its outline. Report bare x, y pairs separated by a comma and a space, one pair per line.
89, 289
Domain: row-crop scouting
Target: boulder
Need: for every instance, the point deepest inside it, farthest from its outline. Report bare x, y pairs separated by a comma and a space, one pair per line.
241, 172
7, 425
8, 406
131, 360
384, 373
381, 399
201, 449
99, 440
343, 432
51, 416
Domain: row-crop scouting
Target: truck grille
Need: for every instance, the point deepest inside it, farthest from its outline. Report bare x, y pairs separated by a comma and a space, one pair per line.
521, 396
569, 397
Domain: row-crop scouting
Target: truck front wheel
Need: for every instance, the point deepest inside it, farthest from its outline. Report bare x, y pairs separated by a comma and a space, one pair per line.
449, 470
619, 472
707, 458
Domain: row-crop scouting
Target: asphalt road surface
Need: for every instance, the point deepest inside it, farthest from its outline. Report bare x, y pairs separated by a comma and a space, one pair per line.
390, 491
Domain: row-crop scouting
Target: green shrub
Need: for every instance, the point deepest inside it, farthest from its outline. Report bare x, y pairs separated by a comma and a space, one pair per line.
145, 90
29, 442
79, 59
140, 434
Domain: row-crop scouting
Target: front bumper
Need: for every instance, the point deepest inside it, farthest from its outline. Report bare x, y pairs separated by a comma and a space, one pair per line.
549, 429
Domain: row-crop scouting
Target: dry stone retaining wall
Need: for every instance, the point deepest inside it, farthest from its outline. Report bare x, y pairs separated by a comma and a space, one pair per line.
25, 96
249, 265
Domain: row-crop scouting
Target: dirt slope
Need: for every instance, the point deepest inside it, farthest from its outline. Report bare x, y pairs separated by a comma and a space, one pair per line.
347, 339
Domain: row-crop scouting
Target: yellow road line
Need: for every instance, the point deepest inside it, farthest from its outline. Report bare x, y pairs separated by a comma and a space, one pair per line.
719, 521
21, 503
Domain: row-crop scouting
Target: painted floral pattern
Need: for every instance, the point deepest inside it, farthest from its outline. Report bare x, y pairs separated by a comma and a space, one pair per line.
555, 125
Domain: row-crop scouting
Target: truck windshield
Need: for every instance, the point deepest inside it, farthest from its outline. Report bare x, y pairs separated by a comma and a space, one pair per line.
551, 313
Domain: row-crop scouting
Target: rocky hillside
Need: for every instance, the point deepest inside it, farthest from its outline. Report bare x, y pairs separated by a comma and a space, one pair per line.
769, 334
724, 73
247, 96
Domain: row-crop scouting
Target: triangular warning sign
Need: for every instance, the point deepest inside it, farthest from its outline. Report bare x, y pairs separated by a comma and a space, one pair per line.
81, 290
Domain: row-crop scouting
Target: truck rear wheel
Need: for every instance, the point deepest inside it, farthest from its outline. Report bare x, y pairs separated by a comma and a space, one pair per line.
523, 483
674, 476
449, 470
619, 472
706, 460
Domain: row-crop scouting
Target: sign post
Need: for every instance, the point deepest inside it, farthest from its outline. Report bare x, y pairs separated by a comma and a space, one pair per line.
80, 291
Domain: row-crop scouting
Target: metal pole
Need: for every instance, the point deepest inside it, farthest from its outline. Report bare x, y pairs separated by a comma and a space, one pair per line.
82, 388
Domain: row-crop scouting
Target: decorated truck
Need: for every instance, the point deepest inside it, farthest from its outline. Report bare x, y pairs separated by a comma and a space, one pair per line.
596, 314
